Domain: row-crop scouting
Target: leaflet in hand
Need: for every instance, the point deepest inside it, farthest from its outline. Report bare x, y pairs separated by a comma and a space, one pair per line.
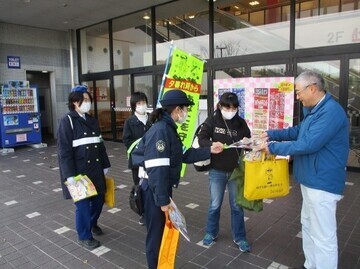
178, 220
247, 143
82, 188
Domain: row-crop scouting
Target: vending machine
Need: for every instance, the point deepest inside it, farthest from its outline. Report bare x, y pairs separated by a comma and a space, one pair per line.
19, 115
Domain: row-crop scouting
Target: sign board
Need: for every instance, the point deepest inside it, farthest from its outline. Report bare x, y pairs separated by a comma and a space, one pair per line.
13, 62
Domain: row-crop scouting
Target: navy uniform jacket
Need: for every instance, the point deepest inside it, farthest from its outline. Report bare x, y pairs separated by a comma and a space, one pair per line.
160, 152
81, 151
133, 130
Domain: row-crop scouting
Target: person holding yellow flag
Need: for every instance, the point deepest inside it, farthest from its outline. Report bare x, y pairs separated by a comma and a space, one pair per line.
160, 156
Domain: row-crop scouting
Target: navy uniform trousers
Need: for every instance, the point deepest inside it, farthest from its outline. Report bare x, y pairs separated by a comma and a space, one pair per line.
87, 213
155, 222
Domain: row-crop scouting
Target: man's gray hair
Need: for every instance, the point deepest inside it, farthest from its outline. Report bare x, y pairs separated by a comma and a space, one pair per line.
310, 77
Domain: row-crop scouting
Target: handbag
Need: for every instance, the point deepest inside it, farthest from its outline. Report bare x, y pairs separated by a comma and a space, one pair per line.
136, 200
110, 192
266, 178
238, 176
169, 245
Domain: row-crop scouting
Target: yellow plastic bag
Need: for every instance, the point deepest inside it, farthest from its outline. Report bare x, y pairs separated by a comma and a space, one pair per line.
110, 192
266, 178
169, 245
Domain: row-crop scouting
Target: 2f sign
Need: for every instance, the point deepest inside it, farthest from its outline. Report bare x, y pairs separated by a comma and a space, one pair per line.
13, 62
335, 37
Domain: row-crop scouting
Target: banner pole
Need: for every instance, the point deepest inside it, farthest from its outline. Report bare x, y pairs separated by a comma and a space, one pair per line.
164, 75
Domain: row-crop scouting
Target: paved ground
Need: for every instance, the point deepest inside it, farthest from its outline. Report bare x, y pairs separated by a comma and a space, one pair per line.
37, 225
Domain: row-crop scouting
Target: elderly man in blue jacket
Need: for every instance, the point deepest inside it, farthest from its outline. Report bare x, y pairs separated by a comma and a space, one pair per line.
320, 148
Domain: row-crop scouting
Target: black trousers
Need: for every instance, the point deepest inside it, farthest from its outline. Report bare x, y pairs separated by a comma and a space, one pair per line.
155, 222
135, 175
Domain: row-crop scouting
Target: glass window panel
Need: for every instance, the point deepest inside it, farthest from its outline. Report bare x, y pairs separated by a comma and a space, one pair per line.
273, 15
101, 96
353, 112
95, 55
186, 25
121, 103
330, 70
132, 40
144, 84
242, 29
329, 6
233, 72
257, 18
347, 5
268, 70
285, 14
326, 29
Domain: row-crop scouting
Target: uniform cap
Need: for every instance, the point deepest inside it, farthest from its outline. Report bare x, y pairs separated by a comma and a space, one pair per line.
80, 88
175, 97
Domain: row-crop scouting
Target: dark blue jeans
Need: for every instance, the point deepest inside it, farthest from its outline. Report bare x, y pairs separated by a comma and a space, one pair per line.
218, 180
86, 214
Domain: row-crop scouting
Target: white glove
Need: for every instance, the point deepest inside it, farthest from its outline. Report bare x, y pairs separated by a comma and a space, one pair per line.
106, 170
71, 180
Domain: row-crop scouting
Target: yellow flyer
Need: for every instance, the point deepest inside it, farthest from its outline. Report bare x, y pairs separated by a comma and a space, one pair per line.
82, 188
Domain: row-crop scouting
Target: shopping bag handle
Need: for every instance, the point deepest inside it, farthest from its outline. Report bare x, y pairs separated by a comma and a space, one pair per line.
271, 157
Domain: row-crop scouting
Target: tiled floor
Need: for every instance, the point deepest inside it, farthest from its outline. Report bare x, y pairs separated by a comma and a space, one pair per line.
37, 225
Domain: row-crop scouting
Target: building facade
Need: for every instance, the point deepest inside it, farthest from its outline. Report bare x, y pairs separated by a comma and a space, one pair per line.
235, 38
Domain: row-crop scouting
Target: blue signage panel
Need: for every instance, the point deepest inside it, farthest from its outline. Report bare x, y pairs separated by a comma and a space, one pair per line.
13, 62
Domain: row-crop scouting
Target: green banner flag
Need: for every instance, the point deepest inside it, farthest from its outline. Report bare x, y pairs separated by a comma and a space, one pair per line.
186, 73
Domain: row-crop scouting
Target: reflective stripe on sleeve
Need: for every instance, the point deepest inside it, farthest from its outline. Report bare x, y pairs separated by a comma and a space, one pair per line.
86, 141
142, 173
157, 162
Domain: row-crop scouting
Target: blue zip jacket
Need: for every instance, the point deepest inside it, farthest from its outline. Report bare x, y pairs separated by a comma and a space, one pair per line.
319, 145
160, 153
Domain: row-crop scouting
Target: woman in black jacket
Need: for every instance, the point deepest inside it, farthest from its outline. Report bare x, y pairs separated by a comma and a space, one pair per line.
134, 128
227, 127
81, 151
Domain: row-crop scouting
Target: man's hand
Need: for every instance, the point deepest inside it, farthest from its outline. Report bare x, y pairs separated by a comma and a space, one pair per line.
264, 135
217, 147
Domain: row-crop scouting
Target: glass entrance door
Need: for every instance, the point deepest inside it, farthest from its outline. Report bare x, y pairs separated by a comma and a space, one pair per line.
353, 112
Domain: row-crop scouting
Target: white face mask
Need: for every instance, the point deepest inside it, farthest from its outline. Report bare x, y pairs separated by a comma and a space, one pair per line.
85, 107
228, 115
182, 119
141, 109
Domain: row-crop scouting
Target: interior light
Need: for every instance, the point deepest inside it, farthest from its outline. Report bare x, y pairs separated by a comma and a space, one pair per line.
191, 16
44, 71
146, 16
254, 3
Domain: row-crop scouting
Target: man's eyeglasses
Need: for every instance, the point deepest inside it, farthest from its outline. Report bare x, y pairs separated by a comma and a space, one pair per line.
303, 89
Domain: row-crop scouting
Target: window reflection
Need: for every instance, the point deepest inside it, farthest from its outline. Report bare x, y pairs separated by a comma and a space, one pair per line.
95, 55
353, 112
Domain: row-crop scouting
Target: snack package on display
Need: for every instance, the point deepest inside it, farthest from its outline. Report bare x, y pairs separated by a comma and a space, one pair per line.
178, 220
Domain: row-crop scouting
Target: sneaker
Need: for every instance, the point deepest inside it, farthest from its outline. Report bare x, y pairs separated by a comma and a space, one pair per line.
243, 245
209, 239
96, 230
89, 244
142, 220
